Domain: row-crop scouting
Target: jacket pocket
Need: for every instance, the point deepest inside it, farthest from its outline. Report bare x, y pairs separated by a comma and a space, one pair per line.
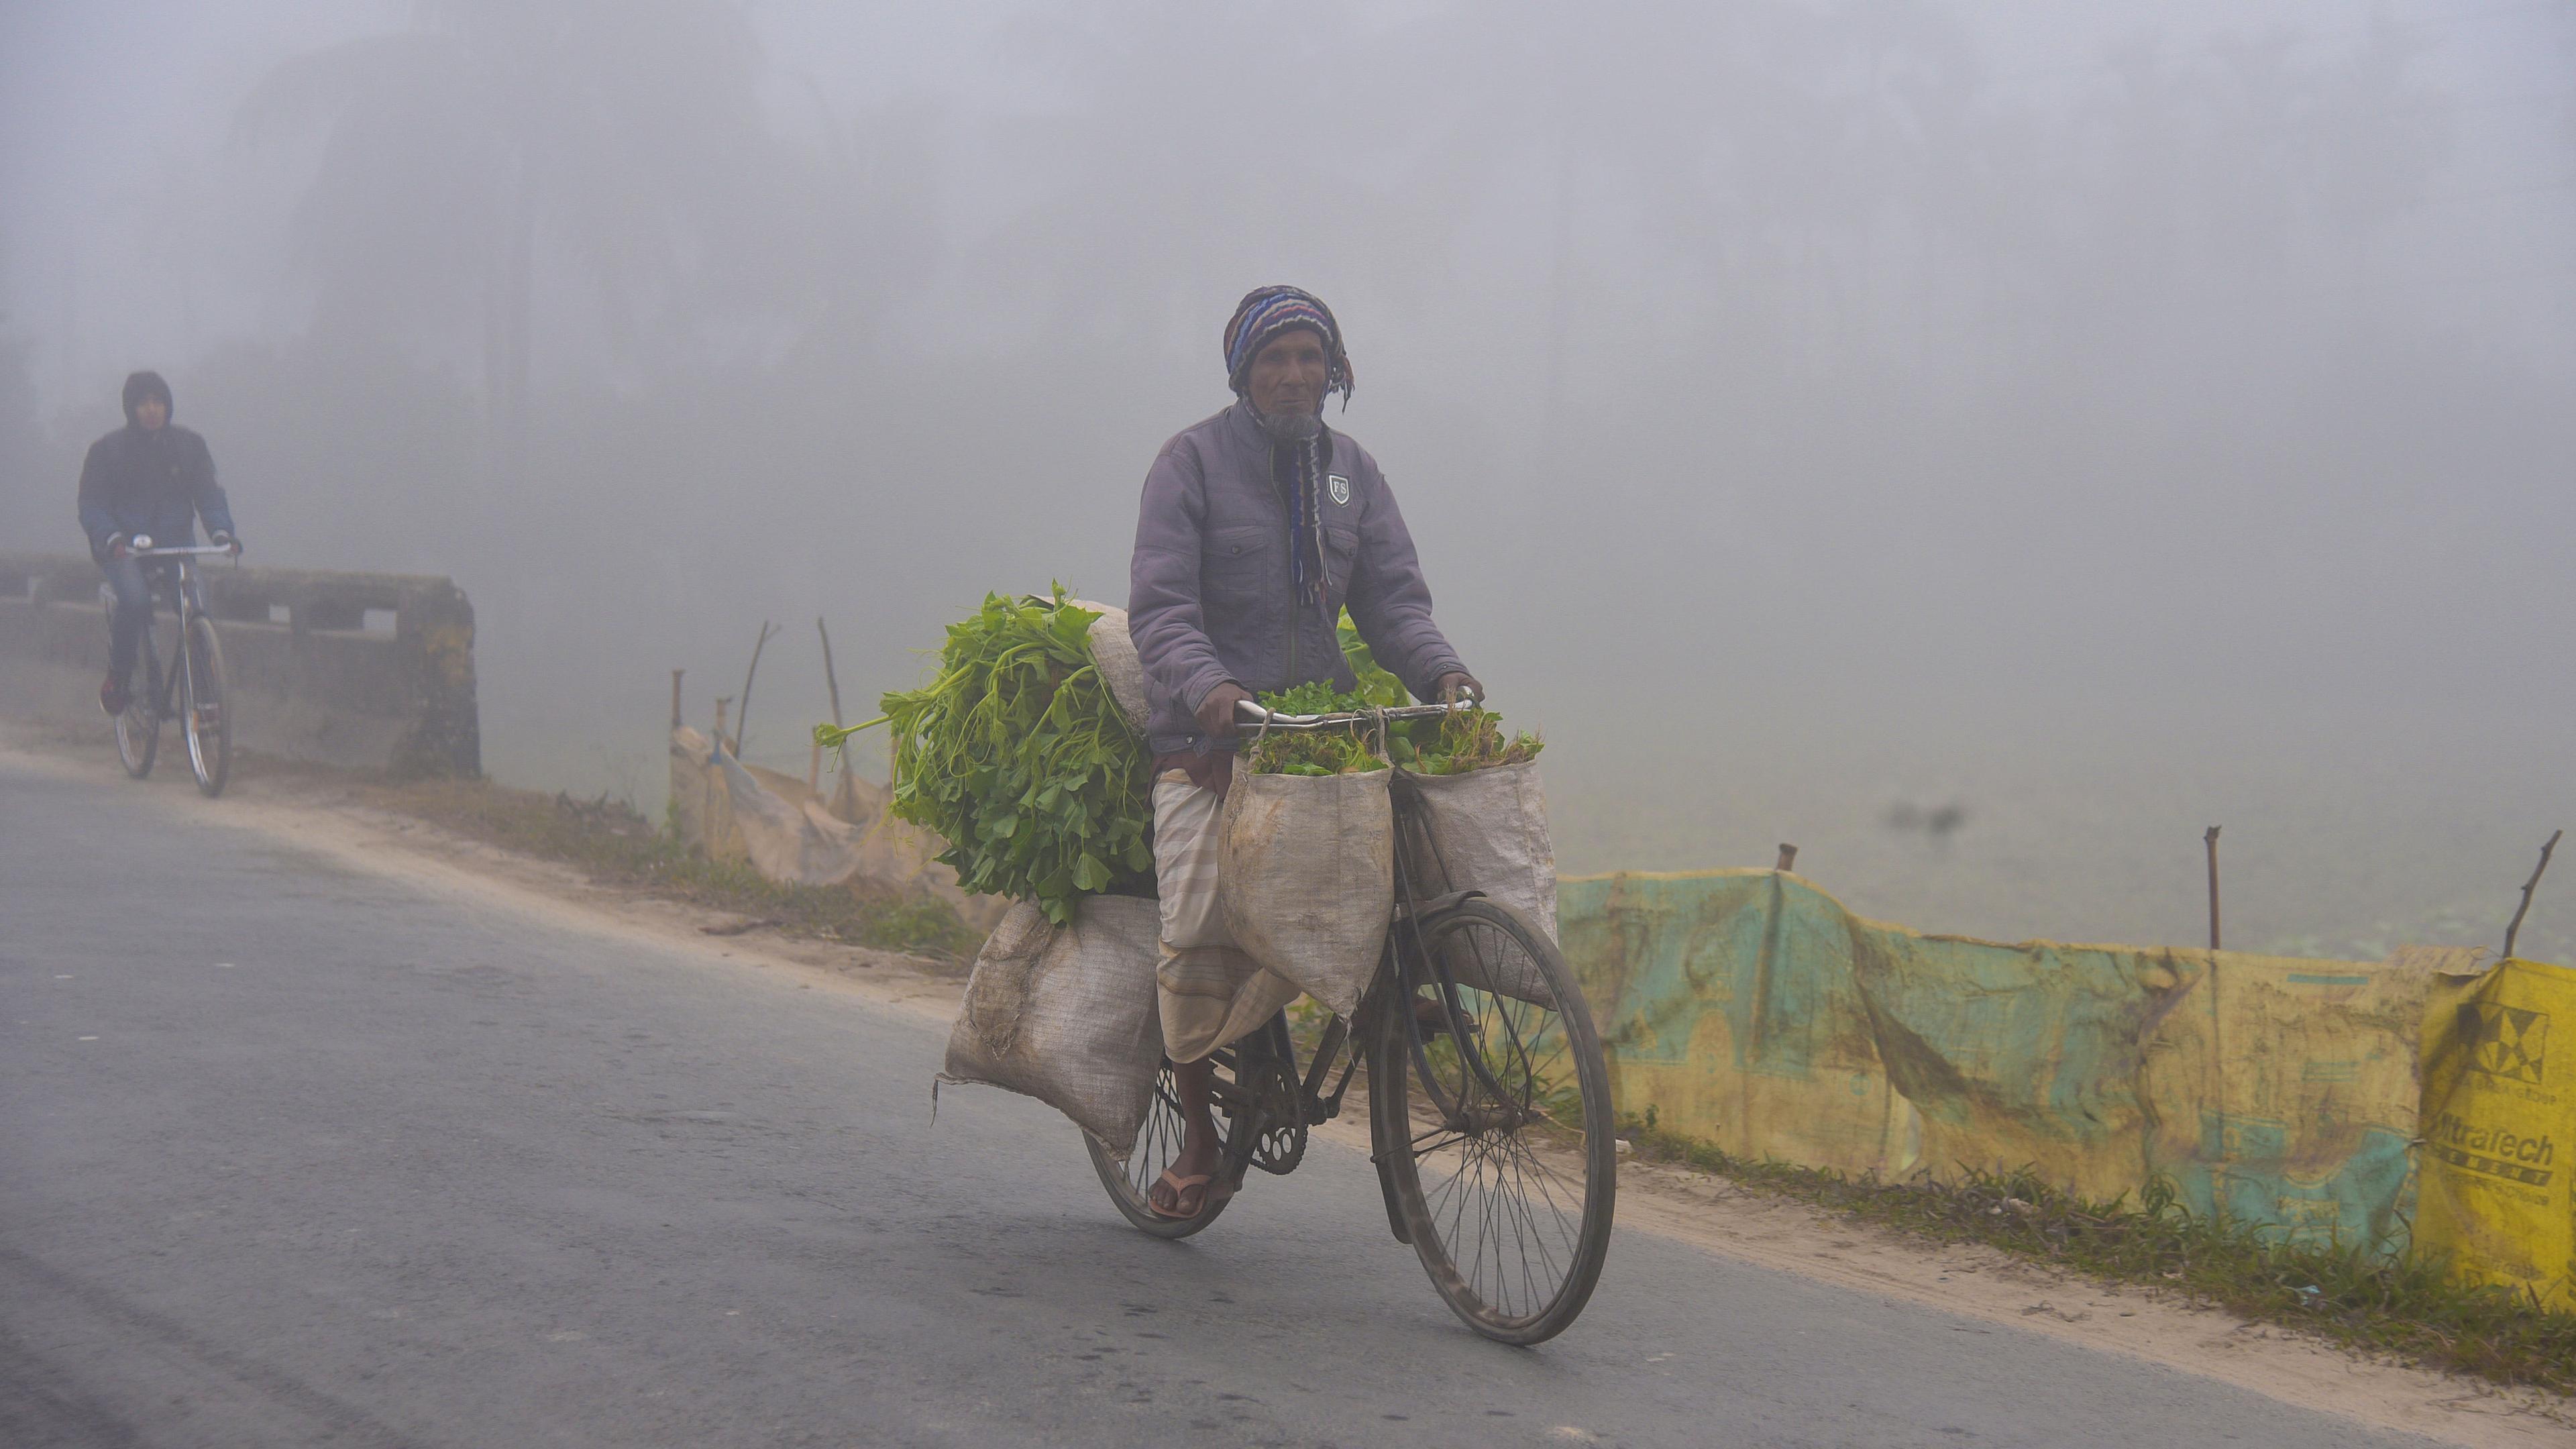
1235, 563
1341, 554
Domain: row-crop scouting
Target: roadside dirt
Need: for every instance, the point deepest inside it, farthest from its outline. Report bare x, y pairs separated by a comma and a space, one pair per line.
1980, 1288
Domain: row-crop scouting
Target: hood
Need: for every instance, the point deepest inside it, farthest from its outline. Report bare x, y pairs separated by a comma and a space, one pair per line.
141, 385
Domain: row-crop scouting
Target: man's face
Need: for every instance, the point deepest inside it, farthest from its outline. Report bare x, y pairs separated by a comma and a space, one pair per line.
1288, 375
151, 413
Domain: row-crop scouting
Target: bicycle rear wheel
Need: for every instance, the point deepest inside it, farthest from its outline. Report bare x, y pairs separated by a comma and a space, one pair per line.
138, 730
1157, 1144
204, 718
1492, 1119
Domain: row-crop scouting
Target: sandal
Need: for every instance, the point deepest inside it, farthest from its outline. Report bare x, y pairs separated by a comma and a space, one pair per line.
1205, 1182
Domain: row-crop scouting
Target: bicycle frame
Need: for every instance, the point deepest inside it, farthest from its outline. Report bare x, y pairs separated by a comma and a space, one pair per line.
185, 587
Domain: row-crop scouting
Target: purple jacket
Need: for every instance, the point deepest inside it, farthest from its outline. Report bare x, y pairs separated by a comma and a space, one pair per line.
1209, 597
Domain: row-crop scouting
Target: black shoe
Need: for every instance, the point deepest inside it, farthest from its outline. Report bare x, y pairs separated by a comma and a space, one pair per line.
113, 698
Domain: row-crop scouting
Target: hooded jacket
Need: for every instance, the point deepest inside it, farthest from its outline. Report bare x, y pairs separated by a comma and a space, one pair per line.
1209, 596
157, 482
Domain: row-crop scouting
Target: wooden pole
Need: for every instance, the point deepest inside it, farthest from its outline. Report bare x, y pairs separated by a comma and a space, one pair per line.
2516, 928
1788, 858
2211, 840
742, 717
675, 697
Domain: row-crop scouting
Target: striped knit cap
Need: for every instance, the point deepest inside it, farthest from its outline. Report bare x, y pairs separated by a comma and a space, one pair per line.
1264, 313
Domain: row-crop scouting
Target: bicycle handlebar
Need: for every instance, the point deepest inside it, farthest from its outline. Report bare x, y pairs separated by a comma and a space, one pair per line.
1248, 713
142, 548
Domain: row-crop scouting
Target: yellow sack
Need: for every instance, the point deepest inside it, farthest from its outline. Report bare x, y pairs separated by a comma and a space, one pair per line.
2499, 1129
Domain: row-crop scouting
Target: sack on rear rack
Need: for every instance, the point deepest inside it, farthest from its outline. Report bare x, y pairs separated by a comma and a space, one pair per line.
1306, 865
1490, 829
1113, 653
1066, 1014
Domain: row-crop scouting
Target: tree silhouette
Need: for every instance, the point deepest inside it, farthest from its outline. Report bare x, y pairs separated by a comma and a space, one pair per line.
466, 158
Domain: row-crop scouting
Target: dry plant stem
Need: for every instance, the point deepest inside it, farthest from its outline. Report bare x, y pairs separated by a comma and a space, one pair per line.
2527, 886
832, 682
742, 720
2211, 840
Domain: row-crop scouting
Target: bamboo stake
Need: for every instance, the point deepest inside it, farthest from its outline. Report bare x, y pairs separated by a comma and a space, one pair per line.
742, 718
2516, 928
1788, 858
675, 697
2211, 840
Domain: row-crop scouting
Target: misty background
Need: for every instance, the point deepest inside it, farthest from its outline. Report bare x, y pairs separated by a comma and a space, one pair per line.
2105, 421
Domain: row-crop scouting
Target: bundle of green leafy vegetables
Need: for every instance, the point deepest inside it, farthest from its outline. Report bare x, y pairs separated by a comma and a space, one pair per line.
1017, 756
1450, 745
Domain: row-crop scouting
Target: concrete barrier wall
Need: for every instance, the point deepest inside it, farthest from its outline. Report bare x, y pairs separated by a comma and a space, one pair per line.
367, 671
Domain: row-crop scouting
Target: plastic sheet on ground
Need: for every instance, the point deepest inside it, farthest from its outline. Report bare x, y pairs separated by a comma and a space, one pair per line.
734, 811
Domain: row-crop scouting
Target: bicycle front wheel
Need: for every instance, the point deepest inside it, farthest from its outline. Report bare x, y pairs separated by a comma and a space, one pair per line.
204, 716
138, 730
1492, 1118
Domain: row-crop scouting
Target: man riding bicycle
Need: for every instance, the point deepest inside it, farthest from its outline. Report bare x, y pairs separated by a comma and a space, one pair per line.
154, 479
1258, 526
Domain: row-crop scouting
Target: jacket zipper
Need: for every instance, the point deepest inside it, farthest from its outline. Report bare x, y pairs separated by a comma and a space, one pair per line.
1288, 562
1296, 612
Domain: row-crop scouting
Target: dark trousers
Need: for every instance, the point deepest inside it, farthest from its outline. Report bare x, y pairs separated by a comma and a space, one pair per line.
132, 613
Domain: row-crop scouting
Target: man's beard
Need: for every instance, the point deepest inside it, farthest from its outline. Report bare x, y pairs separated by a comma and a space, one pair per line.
1290, 427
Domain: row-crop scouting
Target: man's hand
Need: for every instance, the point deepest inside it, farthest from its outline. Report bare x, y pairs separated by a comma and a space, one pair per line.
116, 546
1216, 712
1456, 685
221, 539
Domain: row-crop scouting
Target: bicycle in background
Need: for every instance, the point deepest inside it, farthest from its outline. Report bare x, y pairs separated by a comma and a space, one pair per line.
192, 688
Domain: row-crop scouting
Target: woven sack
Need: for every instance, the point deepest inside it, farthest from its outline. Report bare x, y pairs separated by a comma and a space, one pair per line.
1490, 827
1307, 865
1113, 653
1066, 1014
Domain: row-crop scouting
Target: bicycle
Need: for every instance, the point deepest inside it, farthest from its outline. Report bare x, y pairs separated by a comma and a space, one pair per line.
195, 683
1505, 1100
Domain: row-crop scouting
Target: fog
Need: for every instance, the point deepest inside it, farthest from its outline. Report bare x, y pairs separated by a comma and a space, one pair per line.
2111, 420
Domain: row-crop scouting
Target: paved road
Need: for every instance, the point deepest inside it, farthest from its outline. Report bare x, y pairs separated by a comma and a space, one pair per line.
290, 1155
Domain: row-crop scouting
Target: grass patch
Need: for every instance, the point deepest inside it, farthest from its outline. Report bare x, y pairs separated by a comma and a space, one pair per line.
2360, 1299
614, 844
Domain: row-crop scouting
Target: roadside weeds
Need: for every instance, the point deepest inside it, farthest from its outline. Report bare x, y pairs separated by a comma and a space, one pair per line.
616, 845
2398, 1308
